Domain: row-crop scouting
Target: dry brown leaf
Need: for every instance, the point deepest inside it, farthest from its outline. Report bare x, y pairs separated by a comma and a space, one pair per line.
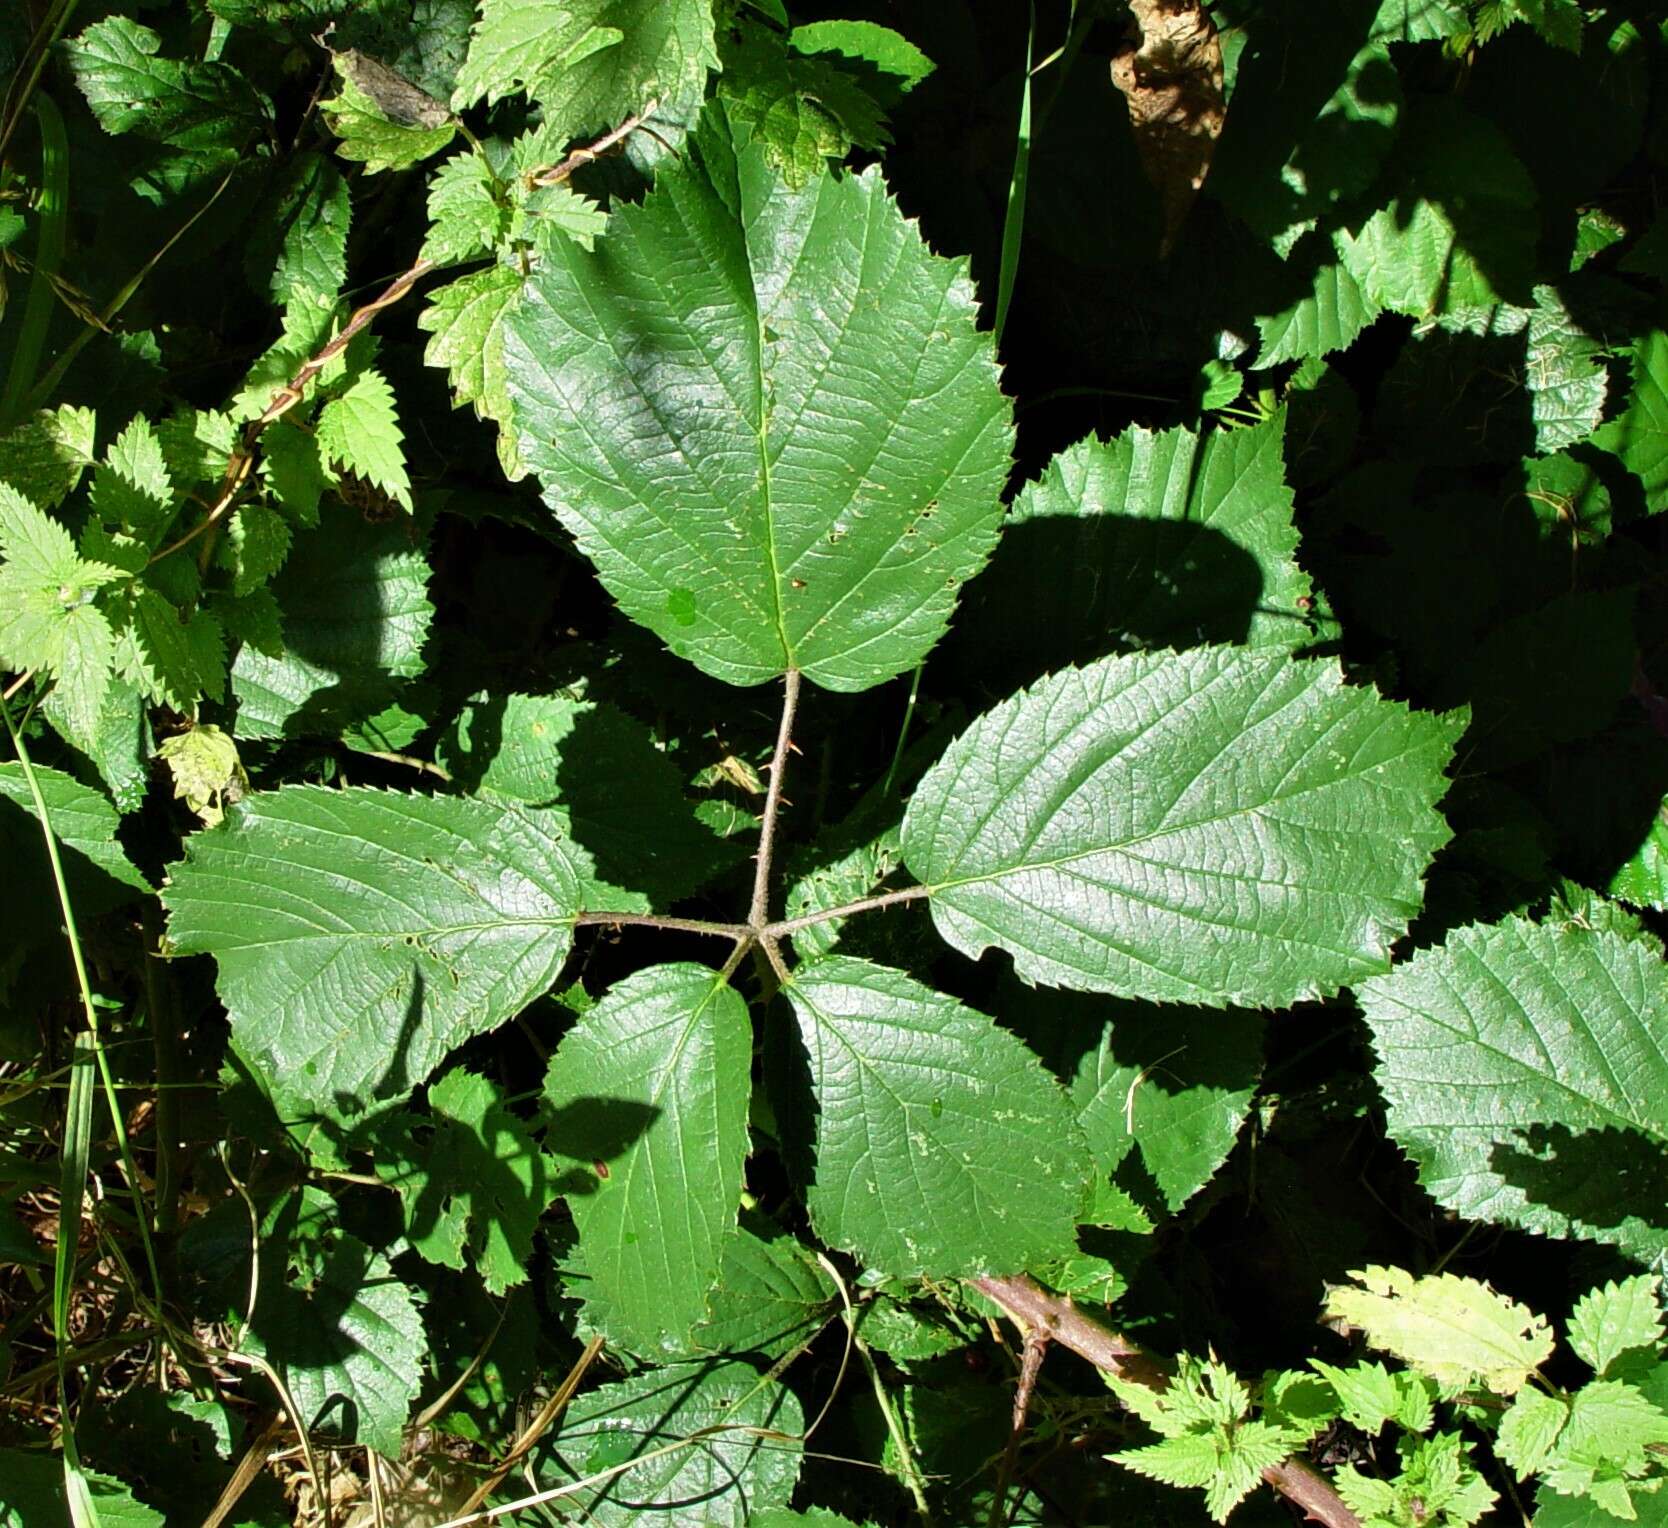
1172, 81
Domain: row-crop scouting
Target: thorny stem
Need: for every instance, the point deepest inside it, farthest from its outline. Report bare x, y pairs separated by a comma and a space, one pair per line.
656, 920
773, 805
1037, 1340
1039, 1310
845, 910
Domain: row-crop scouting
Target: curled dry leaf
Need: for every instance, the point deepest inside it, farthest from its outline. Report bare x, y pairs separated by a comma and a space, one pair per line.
1172, 80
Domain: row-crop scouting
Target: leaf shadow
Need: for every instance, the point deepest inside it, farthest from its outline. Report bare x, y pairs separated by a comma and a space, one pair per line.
594, 1132
1599, 1178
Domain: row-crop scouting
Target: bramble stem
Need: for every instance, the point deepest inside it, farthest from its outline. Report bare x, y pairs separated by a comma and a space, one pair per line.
845, 910
773, 805
658, 920
1040, 1310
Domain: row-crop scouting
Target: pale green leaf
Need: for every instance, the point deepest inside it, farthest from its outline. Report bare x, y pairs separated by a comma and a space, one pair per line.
718, 1481
197, 445
466, 318
359, 430
206, 770
739, 450
185, 103
867, 42
1529, 1429
1459, 226
569, 756
1367, 1392
1328, 318
647, 1098
1611, 1425
1173, 1083
587, 63
1524, 1075
470, 1179
1148, 540
1639, 435
384, 128
1614, 1319
36, 547
941, 1145
1458, 1331
771, 1295
45, 456
361, 934
466, 217
356, 613
1213, 827
547, 215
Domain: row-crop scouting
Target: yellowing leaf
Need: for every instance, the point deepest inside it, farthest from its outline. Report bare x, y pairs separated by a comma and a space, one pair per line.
1458, 1331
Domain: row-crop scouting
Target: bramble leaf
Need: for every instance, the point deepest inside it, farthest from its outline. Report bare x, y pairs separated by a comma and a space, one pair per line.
1213, 827
1458, 1331
1328, 318
1523, 1077
647, 1098
941, 1146
360, 934
1639, 435
756, 477
770, 1296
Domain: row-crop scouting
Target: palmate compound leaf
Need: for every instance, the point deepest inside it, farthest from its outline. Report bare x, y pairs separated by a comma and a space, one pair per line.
746, 1465
647, 1099
1212, 827
1525, 1072
1458, 1331
361, 933
768, 419
941, 1145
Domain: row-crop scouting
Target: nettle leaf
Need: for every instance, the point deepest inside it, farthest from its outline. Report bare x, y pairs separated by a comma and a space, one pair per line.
570, 756
466, 318
345, 1337
587, 63
120, 745
1615, 1319
647, 1094
470, 1178
1459, 224
1603, 1445
256, 542
356, 613
361, 934
1458, 1331
133, 489
1524, 1076
299, 242
1173, 1083
383, 120
1529, 1429
44, 457
869, 43
732, 1473
942, 1146
1213, 827
359, 430
1639, 435
186, 103
466, 216
1166, 539
172, 660
738, 449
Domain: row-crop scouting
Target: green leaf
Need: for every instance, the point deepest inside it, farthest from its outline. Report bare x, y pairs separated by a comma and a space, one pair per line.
360, 934
587, 63
466, 318
359, 430
1616, 1319
45, 456
731, 1473
470, 1179
1458, 1331
1173, 1083
1639, 435
1148, 540
1459, 226
384, 121
647, 1095
299, 243
1610, 1428
119, 746
256, 542
190, 105
32, 1494
346, 1339
82, 820
571, 757
294, 472
1529, 1429
133, 489
1328, 318
867, 42
1523, 1077
1212, 827
1367, 1393
174, 661
771, 1295
465, 215
942, 1147
548, 215
356, 613
801, 111
756, 477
